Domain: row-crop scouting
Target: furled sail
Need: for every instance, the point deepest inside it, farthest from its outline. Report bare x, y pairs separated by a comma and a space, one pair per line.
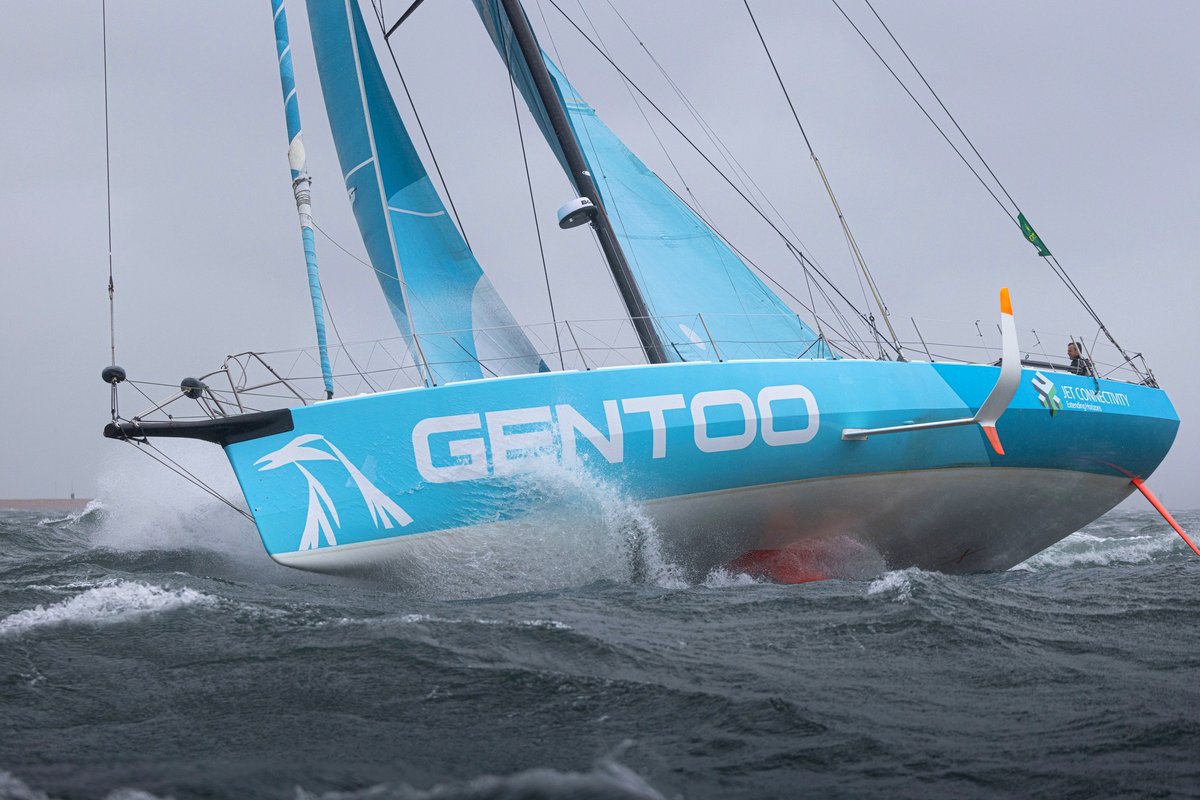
457, 326
697, 288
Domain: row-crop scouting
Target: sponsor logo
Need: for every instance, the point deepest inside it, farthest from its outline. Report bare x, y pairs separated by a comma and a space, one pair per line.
464, 447
1084, 398
1075, 398
323, 517
1047, 393
498, 443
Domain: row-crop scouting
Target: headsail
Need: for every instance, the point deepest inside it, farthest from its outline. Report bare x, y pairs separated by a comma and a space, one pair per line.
454, 320
699, 290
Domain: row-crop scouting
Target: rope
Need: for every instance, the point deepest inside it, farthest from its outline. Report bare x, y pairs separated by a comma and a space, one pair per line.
333, 324
811, 307
958, 127
792, 247
1055, 266
533, 207
159, 457
112, 326
695, 204
420, 126
855, 252
929, 117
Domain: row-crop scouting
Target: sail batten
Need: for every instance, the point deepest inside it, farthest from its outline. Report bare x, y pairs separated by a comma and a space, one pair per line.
456, 325
682, 266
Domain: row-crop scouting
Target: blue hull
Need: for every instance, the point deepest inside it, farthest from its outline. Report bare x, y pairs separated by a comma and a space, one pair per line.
724, 457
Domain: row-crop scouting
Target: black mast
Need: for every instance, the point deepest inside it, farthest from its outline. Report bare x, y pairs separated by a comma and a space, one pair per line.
583, 180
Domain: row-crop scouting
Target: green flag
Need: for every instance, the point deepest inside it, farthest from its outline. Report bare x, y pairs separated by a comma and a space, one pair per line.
1032, 236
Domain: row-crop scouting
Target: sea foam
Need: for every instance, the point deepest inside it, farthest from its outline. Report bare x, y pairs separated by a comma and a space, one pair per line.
13, 788
109, 602
608, 780
555, 526
1084, 549
897, 584
144, 506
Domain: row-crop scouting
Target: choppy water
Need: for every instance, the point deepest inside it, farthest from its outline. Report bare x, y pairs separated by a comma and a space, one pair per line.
151, 650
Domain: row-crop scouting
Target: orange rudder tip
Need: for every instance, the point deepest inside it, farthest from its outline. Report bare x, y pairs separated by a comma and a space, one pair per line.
993, 437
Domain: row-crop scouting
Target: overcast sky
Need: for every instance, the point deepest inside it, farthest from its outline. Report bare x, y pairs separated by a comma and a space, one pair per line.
1087, 110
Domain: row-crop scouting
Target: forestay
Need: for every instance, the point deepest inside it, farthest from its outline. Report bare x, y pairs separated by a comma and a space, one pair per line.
434, 286
697, 288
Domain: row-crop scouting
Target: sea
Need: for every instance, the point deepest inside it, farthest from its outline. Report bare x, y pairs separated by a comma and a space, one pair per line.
150, 649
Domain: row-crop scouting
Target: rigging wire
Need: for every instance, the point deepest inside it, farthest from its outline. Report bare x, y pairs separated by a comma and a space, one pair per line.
403, 17
743, 175
811, 307
950, 116
112, 327
928, 116
642, 111
412, 295
144, 445
850, 240
333, 324
377, 5
812, 304
612, 210
533, 206
726, 155
792, 247
654, 132
558, 59
377, 271
420, 125
1055, 265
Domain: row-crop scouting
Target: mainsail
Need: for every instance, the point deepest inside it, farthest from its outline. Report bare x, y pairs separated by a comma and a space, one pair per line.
697, 288
457, 326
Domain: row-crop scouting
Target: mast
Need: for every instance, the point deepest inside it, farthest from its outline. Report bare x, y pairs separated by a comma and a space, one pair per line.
544, 84
301, 184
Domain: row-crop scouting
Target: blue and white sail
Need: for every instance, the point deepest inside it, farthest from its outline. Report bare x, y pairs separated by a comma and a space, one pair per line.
457, 326
697, 288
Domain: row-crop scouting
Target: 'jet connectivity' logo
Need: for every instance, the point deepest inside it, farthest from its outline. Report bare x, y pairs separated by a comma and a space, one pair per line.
1047, 393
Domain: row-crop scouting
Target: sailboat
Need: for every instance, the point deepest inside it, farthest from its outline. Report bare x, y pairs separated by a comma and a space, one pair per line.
746, 433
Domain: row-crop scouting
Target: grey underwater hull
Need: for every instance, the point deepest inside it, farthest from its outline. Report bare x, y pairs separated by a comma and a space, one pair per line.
950, 520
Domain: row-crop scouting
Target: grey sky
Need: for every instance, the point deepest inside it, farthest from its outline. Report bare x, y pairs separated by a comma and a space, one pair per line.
1087, 110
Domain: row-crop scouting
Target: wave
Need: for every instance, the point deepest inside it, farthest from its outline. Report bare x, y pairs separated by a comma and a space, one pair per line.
108, 602
1083, 549
563, 529
13, 788
608, 780
94, 508
897, 585
142, 506
725, 578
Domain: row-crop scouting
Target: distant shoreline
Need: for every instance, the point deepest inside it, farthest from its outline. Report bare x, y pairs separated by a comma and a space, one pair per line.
47, 504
